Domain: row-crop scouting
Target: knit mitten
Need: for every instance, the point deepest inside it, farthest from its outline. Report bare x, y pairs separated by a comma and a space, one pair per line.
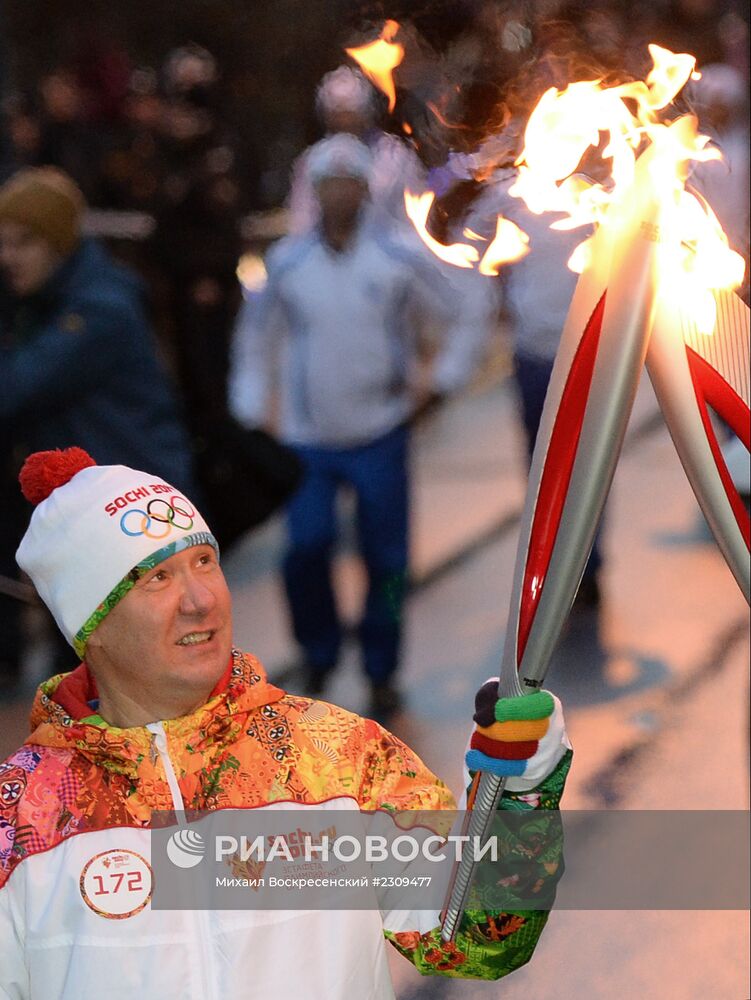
516, 737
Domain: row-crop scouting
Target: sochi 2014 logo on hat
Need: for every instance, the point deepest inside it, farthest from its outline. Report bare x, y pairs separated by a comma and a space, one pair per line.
156, 515
159, 518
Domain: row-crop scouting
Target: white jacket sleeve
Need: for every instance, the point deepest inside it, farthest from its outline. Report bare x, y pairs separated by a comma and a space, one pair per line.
468, 336
253, 356
466, 303
303, 210
14, 976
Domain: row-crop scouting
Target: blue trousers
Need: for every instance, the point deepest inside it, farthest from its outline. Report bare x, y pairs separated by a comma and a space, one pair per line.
377, 473
532, 377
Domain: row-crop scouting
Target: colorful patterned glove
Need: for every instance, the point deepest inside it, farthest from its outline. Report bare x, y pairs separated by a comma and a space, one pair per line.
517, 737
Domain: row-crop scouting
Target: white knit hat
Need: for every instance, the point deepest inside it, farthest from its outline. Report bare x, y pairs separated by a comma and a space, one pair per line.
95, 530
345, 89
339, 155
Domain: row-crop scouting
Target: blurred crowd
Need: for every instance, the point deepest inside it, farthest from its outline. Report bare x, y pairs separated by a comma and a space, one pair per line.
152, 147
155, 155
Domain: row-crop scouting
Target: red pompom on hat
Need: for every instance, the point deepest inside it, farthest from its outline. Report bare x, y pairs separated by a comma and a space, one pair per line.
44, 471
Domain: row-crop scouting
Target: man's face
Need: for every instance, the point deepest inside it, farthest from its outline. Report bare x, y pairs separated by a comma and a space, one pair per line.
27, 260
341, 199
347, 120
171, 632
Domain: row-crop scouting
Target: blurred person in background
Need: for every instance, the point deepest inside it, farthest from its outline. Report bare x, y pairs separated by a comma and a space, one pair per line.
22, 123
346, 102
77, 359
132, 173
720, 98
69, 140
346, 296
131, 168
164, 712
197, 241
82, 102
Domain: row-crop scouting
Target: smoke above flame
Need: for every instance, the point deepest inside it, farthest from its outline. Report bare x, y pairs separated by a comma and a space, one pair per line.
613, 125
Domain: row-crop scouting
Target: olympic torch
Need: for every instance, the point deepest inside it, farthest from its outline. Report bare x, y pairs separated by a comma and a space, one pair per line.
692, 371
689, 371
657, 259
616, 320
588, 403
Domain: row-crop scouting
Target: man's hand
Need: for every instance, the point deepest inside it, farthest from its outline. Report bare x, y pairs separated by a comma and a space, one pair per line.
522, 738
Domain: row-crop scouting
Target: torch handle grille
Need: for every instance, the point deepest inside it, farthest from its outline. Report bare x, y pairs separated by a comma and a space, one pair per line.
489, 791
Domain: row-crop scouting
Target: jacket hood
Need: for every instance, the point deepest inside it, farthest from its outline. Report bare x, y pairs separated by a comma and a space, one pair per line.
57, 722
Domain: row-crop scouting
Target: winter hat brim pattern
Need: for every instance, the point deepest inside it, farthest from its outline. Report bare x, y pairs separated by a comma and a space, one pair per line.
129, 581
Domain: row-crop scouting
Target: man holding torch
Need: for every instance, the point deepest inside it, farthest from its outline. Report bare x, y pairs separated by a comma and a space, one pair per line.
164, 714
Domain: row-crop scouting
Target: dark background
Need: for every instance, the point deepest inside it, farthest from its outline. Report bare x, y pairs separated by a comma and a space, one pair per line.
271, 55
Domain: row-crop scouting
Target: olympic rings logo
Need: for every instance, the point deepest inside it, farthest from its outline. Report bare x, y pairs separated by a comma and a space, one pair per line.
173, 513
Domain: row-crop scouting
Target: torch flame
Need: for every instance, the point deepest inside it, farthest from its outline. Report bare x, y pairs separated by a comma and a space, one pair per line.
510, 243
566, 124
379, 59
418, 209
615, 126
667, 76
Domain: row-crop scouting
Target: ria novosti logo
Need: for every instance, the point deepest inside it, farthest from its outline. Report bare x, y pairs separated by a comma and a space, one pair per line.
186, 848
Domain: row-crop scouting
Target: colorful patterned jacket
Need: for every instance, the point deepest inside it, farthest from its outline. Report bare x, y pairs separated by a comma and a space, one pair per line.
76, 803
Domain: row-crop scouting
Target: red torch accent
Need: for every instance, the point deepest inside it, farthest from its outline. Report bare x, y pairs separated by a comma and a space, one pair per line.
556, 475
712, 390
